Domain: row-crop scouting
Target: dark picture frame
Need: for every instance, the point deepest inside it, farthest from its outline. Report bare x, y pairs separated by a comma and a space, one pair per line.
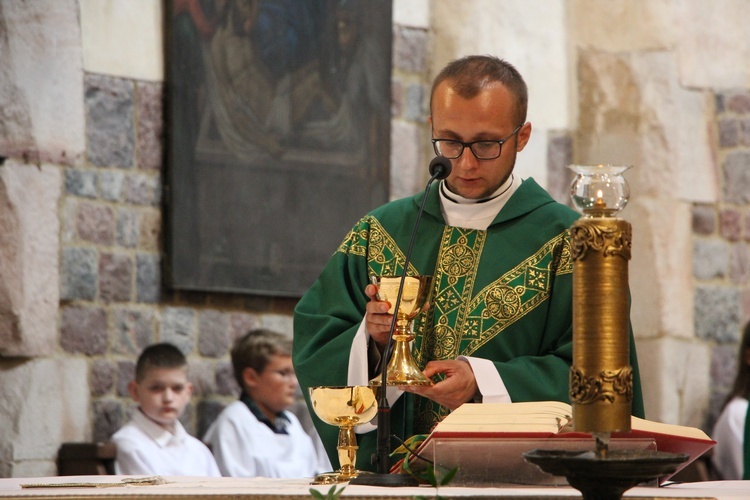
278, 137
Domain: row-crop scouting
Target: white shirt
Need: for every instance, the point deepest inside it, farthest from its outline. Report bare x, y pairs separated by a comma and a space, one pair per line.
246, 447
145, 447
729, 434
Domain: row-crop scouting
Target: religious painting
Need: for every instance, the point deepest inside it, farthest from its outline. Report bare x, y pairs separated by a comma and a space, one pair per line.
278, 137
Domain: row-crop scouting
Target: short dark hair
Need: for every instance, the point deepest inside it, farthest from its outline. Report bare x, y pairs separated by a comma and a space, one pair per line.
469, 74
256, 348
163, 355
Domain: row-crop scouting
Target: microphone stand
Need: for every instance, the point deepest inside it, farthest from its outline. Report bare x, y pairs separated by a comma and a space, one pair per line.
440, 168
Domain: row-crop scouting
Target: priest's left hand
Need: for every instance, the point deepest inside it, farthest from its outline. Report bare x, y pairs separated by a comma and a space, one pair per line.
458, 386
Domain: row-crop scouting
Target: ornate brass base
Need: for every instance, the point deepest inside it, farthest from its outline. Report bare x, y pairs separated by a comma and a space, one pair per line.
609, 477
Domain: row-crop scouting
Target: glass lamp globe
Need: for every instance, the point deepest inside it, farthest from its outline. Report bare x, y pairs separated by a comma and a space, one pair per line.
599, 190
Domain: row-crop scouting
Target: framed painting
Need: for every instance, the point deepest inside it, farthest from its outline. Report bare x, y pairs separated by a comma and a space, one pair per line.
278, 137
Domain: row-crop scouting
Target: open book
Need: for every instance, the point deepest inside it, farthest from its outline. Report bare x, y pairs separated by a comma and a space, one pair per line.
492, 436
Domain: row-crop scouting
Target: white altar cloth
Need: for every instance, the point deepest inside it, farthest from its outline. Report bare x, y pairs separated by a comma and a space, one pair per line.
241, 488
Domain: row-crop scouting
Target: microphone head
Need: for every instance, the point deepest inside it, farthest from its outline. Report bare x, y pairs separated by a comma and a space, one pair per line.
440, 167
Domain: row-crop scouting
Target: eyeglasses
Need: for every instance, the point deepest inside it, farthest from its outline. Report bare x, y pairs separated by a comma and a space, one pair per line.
483, 150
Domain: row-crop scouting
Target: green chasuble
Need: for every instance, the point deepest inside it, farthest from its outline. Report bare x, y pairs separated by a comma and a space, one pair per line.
503, 294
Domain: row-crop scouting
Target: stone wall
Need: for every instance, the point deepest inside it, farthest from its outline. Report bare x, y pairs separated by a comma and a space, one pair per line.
662, 85
721, 251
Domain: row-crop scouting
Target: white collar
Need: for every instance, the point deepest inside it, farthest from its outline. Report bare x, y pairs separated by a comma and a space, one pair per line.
162, 436
475, 214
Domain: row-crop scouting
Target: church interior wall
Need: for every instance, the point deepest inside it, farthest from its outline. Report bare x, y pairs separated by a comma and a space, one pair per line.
664, 86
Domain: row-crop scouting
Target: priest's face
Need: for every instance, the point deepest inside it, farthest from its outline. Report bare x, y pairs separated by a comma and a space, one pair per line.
487, 116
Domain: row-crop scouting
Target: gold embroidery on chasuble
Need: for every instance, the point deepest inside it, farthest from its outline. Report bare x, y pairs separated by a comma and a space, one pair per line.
369, 239
464, 322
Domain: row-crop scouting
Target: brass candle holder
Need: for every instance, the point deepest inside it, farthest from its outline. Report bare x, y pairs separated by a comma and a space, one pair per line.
601, 378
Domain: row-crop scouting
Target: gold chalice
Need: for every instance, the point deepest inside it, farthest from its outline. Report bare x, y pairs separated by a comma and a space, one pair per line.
345, 407
402, 370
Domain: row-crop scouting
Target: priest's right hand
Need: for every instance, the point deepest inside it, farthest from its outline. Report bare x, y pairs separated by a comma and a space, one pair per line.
377, 319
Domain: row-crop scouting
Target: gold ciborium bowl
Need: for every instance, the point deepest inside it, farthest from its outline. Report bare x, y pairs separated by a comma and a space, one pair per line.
345, 407
402, 369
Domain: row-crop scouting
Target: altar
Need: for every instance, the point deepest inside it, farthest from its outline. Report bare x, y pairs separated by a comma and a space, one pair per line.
117, 487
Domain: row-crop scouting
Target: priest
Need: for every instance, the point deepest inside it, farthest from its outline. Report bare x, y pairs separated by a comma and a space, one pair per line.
499, 324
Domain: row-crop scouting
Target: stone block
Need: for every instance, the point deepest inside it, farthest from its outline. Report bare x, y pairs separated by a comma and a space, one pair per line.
729, 132
634, 110
414, 13
150, 136
226, 382
745, 132
107, 28
213, 333
108, 418
739, 264
115, 277
724, 366
178, 327
710, 259
102, 377
736, 170
95, 223
83, 330
78, 270
202, 374
150, 227
125, 374
281, 323
704, 219
148, 278
559, 156
600, 24
111, 184
134, 330
142, 189
42, 116
240, 323
398, 96
722, 62
416, 104
33, 437
408, 173
410, 49
717, 313
29, 259
739, 103
661, 250
675, 379
128, 227
80, 183
109, 121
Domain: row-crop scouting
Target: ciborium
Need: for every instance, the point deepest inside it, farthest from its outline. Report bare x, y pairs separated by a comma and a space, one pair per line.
402, 369
345, 407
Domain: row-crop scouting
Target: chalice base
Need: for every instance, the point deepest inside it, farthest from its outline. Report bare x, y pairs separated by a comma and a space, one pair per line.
402, 370
336, 477
606, 478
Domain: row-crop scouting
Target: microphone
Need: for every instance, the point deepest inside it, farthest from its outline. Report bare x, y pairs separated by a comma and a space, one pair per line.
440, 168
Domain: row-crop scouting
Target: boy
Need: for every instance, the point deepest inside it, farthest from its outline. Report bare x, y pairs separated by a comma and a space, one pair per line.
154, 441
257, 436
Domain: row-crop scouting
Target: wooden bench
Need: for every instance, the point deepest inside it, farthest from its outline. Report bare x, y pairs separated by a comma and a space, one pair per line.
86, 459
